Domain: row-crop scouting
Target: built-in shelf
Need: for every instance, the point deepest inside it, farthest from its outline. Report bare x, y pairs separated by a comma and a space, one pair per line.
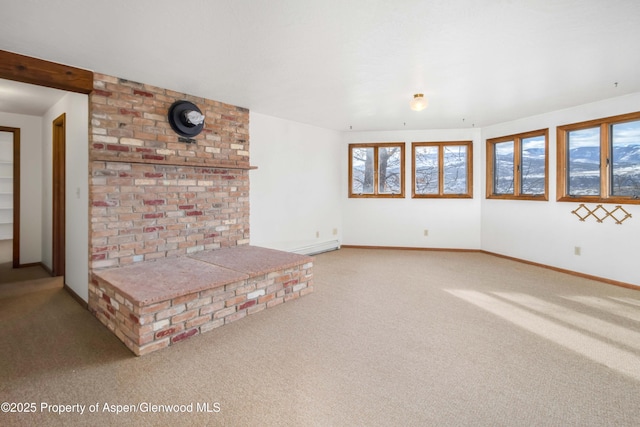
6, 231
6, 197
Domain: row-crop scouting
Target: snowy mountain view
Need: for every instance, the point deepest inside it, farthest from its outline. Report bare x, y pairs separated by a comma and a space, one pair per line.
584, 168
584, 165
427, 174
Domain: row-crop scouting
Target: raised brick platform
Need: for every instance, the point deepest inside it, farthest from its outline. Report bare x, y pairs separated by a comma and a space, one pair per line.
152, 305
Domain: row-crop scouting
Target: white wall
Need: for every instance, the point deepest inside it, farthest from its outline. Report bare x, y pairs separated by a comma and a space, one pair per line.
30, 183
547, 232
76, 107
302, 169
451, 223
295, 192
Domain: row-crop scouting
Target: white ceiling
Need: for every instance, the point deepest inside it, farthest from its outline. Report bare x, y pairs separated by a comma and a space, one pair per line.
22, 98
343, 64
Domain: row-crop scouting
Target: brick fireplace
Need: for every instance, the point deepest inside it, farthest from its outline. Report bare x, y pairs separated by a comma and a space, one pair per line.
153, 195
156, 196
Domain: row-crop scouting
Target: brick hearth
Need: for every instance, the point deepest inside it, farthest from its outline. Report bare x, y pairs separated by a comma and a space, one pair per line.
169, 239
153, 305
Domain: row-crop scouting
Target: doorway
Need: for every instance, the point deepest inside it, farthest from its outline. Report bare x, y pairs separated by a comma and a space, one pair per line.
74, 205
10, 190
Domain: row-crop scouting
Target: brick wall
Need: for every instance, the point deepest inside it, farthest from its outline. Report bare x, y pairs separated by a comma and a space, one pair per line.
154, 194
129, 122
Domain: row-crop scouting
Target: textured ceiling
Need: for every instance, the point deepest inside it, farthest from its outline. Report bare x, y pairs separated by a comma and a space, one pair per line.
343, 64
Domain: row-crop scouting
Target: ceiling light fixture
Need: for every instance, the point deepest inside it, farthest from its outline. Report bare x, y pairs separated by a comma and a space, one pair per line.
418, 103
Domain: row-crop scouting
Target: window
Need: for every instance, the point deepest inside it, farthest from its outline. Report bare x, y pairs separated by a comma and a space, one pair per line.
599, 160
376, 170
517, 166
442, 169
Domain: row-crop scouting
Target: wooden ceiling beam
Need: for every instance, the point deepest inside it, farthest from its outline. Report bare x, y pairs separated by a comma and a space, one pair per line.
35, 71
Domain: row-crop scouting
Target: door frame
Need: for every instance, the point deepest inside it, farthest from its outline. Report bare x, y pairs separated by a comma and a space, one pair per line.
58, 196
26, 69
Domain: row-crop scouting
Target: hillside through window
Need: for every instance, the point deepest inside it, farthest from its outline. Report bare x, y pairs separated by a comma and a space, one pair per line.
442, 169
517, 166
599, 160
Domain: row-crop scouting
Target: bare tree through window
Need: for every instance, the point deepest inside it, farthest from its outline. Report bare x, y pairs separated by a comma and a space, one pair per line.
376, 170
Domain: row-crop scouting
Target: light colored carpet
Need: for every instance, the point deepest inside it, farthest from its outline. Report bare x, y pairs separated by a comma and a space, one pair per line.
389, 338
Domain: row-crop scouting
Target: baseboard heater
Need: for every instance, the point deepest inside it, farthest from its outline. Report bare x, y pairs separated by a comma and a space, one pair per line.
318, 248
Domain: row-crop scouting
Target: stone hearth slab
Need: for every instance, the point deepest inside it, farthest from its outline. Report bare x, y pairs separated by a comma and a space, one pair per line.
150, 282
252, 260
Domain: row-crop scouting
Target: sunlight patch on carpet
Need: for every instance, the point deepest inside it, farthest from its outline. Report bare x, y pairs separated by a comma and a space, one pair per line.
598, 351
590, 324
607, 305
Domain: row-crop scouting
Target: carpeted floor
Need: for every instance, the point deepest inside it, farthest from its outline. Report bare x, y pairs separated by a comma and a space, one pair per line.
8, 274
388, 338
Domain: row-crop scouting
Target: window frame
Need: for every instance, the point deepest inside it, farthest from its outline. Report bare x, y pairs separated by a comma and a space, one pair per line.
376, 146
517, 166
605, 125
441, 194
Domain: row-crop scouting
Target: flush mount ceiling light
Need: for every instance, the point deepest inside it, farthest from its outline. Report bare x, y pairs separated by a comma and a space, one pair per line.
185, 118
418, 103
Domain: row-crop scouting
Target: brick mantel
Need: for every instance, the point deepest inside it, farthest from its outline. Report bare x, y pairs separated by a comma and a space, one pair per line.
210, 164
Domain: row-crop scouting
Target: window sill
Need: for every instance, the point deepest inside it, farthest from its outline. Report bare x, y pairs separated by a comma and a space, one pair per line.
509, 197
595, 199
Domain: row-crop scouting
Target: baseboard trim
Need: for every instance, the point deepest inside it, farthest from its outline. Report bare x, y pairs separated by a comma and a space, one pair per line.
536, 264
32, 264
37, 264
45, 268
408, 248
76, 297
565, 271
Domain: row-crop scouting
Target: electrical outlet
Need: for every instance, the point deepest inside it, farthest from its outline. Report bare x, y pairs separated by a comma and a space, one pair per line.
426, 232
335, 231
577, 250
317, 234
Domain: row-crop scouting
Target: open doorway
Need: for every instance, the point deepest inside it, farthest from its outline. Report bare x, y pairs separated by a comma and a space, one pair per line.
44, 240
10, 203
33, 207
32, 179
10, 195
